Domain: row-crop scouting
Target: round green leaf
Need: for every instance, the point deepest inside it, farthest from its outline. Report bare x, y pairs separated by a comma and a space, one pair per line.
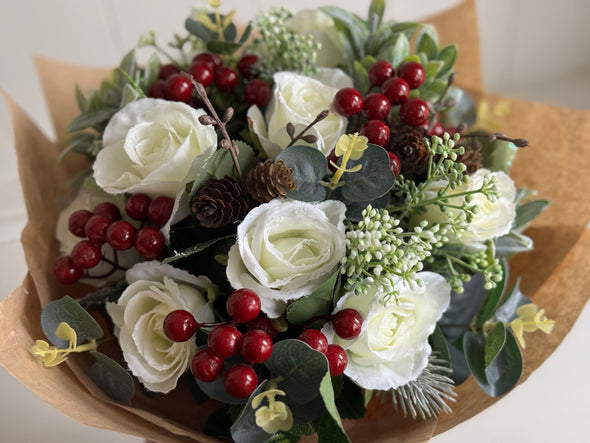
309, 167
373, 180
110, 376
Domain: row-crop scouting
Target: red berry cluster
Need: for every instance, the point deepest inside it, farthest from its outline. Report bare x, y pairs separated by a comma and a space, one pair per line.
376, 106
347, 324
103, 225
208, 69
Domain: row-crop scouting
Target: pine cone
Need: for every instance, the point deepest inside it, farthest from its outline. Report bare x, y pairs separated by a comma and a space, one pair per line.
219, 202
269, 180
472, 157
407, 145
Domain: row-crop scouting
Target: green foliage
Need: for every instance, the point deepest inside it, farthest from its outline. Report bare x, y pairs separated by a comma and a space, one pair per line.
309, 168
110, 376
67, 310
244, 429
492, 299
315, 304
351, 400
495, 341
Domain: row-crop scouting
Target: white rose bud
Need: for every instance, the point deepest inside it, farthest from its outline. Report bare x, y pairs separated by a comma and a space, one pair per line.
154, 291
286, 250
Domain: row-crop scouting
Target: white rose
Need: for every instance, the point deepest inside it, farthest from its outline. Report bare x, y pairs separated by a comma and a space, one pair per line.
151, 146
299, 99
286, 250
494, 217
88, 197
323, 29
154, 291
392, 348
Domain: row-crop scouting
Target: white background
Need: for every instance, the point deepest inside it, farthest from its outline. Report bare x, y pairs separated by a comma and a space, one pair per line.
532, 49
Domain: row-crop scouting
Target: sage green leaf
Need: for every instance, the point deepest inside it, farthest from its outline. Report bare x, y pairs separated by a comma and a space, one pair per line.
111, 378
512, 243
246, 34
401, 50
222, 47
330, 425
438, 343
127, 65
495, 341
493, 298
431, 70
376, 11
80, 99
497, 155
377, 40
447, 55
129, 95
406, 28
355, 28
360, 77
80, 143
505, 370
245, 429
526, 212
511, 302
91, 119
309, 167
427, 42
66, 309
433, 90
93, 103
317, 303
216, 390
152, 69
110, 94
374, 178
463, 111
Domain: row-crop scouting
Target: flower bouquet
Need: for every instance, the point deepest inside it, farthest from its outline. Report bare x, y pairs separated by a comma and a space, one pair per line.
271, 238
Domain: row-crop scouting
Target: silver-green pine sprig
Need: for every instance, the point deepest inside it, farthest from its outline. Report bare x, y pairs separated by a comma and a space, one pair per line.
283, 49
379, 252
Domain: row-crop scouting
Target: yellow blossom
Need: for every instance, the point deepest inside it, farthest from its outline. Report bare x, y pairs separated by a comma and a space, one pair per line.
52, 356
530, 318
349, 147
277, 416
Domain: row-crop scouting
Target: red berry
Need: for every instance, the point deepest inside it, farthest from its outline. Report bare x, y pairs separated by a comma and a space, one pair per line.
316, 339
263, 323
348, 102
206, 366
136, 206
240, 381
394, 163
347, 323
337, 359
157, 89
379, 72
376, 131
438, 129
376, 106
96, 229
168, 70
257, 92
226, 79
66, 271
149, 242
243, 305
86, 255
77, 222
120, 235
396, 89
245, 65
211, 60
223, 340
414, 112
179, 325
332, 158
202, 73
413, 73
255, 346
160, 210
179, 88
107, 209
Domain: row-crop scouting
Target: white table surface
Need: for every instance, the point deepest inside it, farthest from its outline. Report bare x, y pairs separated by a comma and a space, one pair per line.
532, 49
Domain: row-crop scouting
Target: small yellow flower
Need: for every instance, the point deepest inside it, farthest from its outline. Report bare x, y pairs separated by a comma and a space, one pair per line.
530, 318
52, 356
349, 147
491, 118
277, 416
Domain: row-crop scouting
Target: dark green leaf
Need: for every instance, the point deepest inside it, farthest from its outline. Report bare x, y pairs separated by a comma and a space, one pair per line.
513, 300
80, 99
222, 47
427, 42
91, 118
200, 247
246, 34
219, 423
495, 341
504, 372
103, 295
492, 299
438, 343
245, 429
474, 349
401, 50
497, 155
80, 143
331, 419
447, 55
354, 209
196, 28
373, 180
317, 303
111, 378
303, 429
526, 212
283, 437
110, 94
216, 390
309, 167
351, 401
66, 309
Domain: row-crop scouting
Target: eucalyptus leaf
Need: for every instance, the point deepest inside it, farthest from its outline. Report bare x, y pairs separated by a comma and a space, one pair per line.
317, 303
511, 302
92, 118
245, 429
505, 370
495, 341
447, 55
497, 155
373, 180
216, 390
111, 378
427, 42
493, 298
354, 209
222, 47
309, 167
526, 212
66, 309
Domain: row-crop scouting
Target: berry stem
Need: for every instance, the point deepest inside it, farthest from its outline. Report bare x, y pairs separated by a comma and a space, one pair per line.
321, 116
518, 142
441, 101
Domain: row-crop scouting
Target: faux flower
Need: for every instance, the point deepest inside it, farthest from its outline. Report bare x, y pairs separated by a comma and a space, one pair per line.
287, 249
529, 319
298, 99
154, 291
52, 356
323, 29
151, 146
277, 416
392, 348
494, 216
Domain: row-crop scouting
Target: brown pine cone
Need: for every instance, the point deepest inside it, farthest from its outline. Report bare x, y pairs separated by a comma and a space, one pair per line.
408, 146
219, 202
269, 180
